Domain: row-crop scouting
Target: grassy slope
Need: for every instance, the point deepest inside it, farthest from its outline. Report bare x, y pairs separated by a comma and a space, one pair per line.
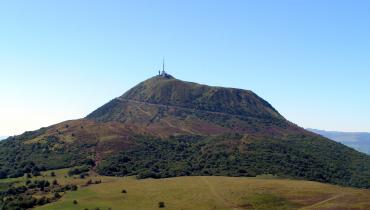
202, 193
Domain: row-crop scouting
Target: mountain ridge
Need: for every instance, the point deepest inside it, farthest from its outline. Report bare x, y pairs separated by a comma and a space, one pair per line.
357, 140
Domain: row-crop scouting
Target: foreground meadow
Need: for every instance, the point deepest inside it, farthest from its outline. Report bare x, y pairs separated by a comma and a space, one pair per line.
203, 193
196, 193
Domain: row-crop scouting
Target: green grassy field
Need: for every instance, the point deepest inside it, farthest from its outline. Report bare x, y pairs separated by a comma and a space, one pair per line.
201, 193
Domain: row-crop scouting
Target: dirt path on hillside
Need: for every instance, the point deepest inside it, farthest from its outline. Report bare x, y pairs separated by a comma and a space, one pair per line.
314, 206
219, 197
173, 126
181, 107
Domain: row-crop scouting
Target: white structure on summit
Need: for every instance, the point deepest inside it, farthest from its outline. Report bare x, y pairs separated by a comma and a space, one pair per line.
162, 73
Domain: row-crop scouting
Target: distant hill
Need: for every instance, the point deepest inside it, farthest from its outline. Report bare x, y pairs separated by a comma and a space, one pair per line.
3, 137
357, 140
165, 127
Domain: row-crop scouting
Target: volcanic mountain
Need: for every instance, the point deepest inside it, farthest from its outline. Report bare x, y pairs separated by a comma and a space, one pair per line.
165, 127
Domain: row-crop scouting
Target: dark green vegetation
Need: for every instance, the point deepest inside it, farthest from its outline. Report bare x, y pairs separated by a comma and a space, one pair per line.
50, 186
23, 195
18, 158
234, 155
165, 127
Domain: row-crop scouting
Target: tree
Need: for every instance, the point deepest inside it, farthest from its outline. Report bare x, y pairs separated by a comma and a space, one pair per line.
3, 174
36, 172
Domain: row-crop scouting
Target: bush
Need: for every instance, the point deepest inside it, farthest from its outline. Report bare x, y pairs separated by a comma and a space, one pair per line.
52, 174
124, 191
161, 204
3, 174
78, 171
57, 195
36, 172
74, 187
75, 202
42, 201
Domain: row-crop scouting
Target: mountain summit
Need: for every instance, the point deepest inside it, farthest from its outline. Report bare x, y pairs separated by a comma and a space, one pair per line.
177, 93
166, 102
165, 127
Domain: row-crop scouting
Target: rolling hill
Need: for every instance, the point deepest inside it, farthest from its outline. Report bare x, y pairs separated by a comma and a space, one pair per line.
357, 140
165, 127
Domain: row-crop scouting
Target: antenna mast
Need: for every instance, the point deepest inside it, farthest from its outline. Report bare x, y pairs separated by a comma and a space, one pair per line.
163, 65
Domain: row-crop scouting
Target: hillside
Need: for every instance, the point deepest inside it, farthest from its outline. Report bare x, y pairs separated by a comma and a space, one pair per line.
165, 127
357, 140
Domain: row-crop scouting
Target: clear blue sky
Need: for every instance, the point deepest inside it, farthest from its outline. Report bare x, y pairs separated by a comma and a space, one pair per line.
60, 60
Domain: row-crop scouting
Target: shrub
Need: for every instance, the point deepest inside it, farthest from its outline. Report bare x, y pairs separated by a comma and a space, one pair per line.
78, 170
161, 204
42, 201
57, 195
36, 172
124, 191
75, 202
3, 174
74, 187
